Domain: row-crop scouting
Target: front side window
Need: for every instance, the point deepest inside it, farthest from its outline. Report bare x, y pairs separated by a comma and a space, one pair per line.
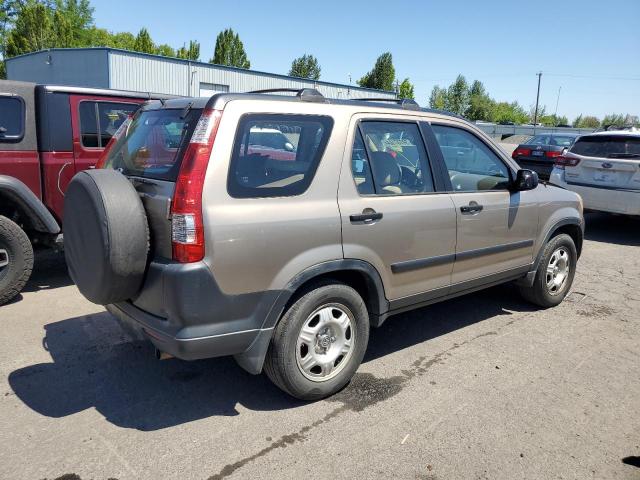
389, 158
12, 114
100, 120
276, 155
472, 165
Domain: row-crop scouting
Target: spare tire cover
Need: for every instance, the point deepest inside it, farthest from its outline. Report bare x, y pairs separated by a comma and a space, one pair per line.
106, 236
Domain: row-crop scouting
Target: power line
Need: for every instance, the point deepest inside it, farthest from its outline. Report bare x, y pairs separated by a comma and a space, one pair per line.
600, 77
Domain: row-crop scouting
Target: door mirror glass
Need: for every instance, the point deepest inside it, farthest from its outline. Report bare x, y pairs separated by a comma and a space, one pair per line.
288, 146
525, 180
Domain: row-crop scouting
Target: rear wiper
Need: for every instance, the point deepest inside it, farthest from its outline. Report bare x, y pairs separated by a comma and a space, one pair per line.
623, 155
186, 110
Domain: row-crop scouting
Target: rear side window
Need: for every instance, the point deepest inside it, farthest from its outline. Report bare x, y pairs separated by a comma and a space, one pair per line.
276, 155
390, 159
609, 146
153, 144
12, 112
100, 120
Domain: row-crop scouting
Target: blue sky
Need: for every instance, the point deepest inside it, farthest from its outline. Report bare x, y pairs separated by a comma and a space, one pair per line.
590, 48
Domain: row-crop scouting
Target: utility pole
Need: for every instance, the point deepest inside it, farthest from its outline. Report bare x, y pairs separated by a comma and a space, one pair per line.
557, 101
535, 115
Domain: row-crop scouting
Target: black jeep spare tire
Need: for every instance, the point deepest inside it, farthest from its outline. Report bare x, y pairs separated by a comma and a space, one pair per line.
106, 236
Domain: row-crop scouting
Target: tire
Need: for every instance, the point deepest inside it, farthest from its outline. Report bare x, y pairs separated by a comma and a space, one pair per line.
540, 293
17, 252
324, 302
106, 236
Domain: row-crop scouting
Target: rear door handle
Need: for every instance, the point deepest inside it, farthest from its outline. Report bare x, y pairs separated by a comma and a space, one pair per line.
473, 207
365, 217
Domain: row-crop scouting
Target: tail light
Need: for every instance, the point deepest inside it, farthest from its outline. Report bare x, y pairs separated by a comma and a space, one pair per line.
520, 151
187, 232
562, 161
120, 132
552, 154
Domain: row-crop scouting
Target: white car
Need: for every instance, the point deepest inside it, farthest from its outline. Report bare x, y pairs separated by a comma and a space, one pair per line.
604, 169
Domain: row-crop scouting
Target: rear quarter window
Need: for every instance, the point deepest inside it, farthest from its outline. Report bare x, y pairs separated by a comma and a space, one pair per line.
12, 113
276, 155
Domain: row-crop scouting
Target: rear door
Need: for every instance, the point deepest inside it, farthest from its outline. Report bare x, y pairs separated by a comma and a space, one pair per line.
496, 227
94, 120
393, 215
606, 161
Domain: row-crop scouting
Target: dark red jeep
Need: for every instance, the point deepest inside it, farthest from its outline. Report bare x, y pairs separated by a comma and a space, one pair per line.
47, 135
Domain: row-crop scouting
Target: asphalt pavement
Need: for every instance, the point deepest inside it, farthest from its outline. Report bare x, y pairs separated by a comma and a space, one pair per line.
479, 387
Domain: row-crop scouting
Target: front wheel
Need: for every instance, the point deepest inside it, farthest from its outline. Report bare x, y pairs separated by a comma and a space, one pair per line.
555, 273
319, 343
16, 259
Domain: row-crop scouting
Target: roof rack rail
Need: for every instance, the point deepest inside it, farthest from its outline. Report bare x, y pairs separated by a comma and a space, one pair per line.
304, 94
407, 103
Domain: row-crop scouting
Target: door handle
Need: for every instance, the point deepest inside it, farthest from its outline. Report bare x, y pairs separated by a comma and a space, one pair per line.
473, 207
368, 215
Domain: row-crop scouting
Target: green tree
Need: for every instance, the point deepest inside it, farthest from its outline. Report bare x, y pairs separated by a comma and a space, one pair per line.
406, 89
503, 112
32, 29
143, 42
438, 98
72, 21
305, 66
457, 99
229, 50
480, 104
615, 119
165, 50
382, 75
586, 122
190, 53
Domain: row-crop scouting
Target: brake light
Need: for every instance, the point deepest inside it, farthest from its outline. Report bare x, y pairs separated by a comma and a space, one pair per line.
552, 154
520, 151
122, 130
187, 232
562, 161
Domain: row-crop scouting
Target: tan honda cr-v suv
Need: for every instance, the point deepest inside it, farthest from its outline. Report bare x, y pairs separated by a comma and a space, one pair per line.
280, 228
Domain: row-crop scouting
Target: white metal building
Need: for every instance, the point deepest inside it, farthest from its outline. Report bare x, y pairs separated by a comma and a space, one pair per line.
125, 70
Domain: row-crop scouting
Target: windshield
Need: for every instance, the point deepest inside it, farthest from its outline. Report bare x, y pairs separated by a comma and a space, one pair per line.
153, 144
611, 146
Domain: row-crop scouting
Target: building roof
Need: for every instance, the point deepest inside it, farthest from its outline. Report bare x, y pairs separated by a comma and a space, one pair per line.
204, 64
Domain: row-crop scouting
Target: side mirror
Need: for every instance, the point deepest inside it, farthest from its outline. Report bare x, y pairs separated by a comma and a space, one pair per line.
525, 180
289, 147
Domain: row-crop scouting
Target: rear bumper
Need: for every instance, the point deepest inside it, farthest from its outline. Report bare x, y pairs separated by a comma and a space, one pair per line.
137, 323
599, 199
542, 167
183, 312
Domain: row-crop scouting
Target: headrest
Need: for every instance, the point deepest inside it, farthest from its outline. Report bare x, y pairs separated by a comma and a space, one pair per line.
386, 169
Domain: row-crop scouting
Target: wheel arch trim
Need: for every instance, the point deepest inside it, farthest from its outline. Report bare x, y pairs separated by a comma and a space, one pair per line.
19, 193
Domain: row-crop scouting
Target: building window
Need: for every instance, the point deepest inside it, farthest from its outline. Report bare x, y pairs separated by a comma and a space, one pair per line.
209, 89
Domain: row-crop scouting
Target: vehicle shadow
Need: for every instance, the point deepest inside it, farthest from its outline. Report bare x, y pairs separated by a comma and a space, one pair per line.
94, 365
49, 271
617, 229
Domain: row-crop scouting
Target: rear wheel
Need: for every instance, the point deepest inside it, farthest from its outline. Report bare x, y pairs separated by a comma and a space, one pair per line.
319, 343
555, 273
16, 259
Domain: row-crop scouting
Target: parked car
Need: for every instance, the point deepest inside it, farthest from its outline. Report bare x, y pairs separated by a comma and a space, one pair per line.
47, 134
285, 264
604, 168
540, 151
